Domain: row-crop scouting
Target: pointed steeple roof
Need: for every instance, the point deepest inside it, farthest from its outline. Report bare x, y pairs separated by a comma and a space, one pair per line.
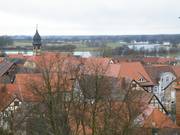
37, 36
37, 39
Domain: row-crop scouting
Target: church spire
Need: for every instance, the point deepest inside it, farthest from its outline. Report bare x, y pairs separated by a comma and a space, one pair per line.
36, 27
37, 42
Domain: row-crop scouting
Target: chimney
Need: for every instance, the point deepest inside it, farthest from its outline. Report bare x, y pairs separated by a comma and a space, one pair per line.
177, 87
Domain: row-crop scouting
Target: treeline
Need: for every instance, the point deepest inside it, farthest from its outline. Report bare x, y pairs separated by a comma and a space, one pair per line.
126, 51
63, 48
5, 40
174, 38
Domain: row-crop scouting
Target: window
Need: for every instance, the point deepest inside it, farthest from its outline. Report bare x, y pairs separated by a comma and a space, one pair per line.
167, 79
141, 80
16, 103
155, 89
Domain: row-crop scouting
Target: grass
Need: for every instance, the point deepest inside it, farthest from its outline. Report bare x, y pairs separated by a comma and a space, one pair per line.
173, 55
84, 47
22, 44
114, 44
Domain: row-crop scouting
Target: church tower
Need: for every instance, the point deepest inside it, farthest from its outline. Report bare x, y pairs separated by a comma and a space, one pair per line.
37, 43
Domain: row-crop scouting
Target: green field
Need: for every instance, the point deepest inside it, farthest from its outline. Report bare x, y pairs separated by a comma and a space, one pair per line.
22, 44
79, 46
84, 46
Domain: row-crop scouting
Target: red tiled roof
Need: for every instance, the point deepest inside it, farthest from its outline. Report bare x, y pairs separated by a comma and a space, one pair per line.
113, 70
166, 60
130, 70
7, 95
28, 83
10, 88
134, 70
150, 59
23, 82
21, 56
177, 86
46, 56
99, 61
157, 119
176, 70
158, 60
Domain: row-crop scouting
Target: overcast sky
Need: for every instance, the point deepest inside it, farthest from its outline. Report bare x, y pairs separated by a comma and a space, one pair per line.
89, 17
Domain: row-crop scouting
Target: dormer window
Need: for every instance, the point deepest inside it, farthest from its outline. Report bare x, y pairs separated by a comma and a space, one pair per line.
141, 80
111, 62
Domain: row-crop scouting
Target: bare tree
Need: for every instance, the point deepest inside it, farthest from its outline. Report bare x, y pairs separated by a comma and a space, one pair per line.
53, 89
76, 97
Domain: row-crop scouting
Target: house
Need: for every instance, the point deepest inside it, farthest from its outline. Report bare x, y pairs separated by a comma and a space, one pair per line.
151, 117
9, 104
135, 71
152, 99
162, 76
26, 85
158, 122
121, 75
82, 54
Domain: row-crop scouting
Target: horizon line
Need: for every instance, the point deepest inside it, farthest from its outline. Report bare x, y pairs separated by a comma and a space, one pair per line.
151, 34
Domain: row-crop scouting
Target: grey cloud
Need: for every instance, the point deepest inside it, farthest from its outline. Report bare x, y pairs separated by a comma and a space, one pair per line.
94, 16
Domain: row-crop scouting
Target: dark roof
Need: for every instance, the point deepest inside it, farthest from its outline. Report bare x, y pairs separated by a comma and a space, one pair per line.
37, 38
5, 66
156, 70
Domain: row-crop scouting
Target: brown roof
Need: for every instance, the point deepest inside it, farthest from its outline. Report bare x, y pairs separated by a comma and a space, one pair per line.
46, 57
157, 119
129, 70
176, 70
23, 82
166, 60
28, 83
156, 60
104, 60
135, 71
20, 56
154, 71
150, 60
7, 95
177, 86
113, 70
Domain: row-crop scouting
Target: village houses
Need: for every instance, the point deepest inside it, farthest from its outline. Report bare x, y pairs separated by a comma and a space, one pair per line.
157, 83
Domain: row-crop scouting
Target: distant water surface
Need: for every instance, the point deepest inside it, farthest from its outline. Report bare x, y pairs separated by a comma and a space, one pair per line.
18, 52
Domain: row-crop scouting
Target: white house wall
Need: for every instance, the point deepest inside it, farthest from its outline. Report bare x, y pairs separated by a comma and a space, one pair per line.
164, 80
